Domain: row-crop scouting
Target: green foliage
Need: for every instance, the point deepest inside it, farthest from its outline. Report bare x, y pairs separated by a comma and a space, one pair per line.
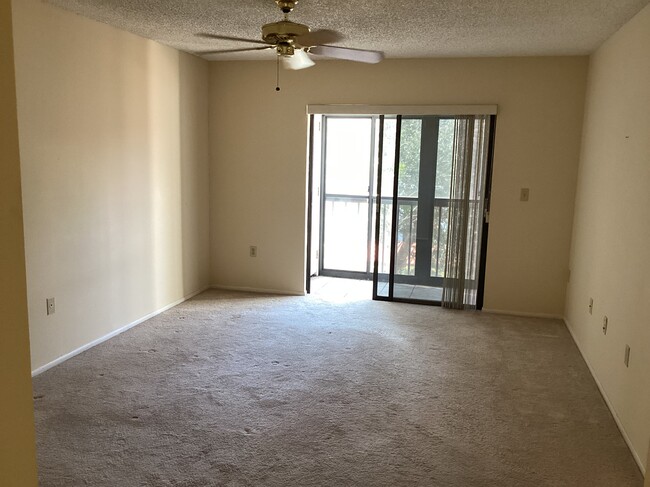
409, 163
408, 187
445, 154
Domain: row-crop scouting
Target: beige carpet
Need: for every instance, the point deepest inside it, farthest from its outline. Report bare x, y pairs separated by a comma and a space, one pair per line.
243, 390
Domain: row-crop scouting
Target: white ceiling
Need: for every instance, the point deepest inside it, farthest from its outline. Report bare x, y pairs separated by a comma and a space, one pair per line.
400, 28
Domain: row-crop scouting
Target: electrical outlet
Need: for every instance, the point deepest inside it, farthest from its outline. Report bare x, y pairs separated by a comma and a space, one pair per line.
253, 251
591, 306
605, 325
627, 356
49, 302
524, 195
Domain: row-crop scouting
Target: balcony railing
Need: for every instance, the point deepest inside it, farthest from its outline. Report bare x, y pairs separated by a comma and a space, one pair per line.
352, 213
406, 237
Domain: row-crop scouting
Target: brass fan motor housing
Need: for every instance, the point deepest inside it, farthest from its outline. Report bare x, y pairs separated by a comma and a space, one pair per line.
284, 31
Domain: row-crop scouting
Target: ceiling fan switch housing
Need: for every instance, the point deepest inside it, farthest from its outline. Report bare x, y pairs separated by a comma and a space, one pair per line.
285, 49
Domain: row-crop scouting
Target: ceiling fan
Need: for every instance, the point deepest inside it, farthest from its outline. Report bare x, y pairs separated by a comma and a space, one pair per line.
293, 41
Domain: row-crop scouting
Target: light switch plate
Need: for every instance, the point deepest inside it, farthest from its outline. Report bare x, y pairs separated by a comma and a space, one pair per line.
50, 306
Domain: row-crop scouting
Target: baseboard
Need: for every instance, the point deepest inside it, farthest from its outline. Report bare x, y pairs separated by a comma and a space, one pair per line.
522, 313
257, 290
635, 454
112, 334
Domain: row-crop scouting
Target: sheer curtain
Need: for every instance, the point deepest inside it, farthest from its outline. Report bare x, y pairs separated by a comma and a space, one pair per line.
466, 202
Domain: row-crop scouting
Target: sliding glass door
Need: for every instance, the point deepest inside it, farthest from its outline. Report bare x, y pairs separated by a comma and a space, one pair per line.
402, 200
348, 174
415, 182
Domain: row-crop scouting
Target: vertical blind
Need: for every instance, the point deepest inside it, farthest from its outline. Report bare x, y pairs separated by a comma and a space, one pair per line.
466, 206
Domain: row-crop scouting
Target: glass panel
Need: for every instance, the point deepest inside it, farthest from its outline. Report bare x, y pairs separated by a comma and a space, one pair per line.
445, 154
348, 148
402, 290
386, 208
385, 229
478, 154
409, 158
426, 293
388, 155
375, 182
471, 271
346, 234
407, 217
409, 179
439, 241
426, 151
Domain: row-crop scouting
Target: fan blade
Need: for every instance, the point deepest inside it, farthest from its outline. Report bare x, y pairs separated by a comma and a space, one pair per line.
358, 55
230, 38
225, 51
318, 37
299, 60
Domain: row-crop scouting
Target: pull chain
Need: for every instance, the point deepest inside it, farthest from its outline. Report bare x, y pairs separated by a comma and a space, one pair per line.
277, 73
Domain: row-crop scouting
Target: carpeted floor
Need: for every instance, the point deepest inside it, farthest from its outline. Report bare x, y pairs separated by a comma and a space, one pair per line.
245, 390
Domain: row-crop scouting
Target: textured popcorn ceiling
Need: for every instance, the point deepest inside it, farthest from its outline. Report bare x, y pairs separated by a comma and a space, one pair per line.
400, 28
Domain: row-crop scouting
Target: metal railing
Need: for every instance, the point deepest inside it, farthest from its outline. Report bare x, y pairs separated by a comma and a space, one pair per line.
406, 244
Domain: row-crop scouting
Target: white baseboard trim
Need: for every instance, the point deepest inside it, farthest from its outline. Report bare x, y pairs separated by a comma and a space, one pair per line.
112, 334
635, 454
522, 313
257, 290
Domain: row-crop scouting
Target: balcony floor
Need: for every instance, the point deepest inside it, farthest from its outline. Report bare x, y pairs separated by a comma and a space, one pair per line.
340, 289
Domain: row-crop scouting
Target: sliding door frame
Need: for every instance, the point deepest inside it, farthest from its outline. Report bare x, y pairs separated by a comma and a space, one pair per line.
322, 270
310, 196
381, 111
422, 222
392, 278
480, 291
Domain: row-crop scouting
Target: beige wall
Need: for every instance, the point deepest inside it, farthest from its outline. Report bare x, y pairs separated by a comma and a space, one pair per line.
17, 452
113, 132
259, 145
610, 258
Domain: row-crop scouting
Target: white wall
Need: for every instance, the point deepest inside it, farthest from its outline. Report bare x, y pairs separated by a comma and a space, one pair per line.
113, 132
17, 447
258, 163
610, 257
